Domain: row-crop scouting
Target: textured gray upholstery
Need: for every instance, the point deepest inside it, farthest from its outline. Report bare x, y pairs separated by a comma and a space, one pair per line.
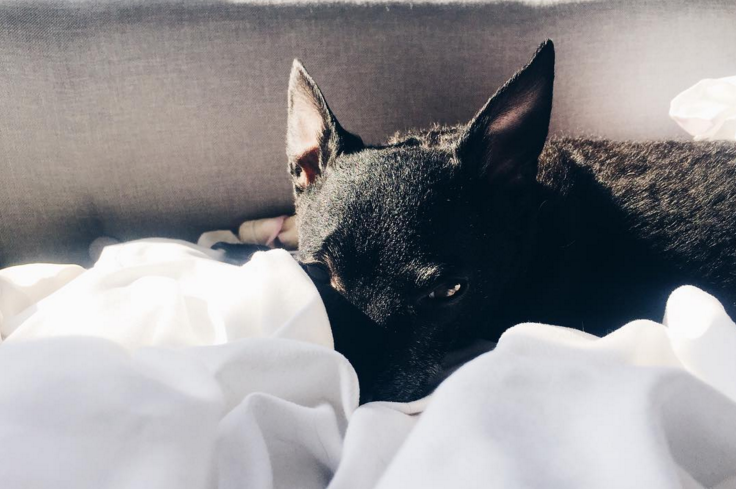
128, 119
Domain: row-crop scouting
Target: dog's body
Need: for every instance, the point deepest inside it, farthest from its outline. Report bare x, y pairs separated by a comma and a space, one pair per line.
450, 234
625, 224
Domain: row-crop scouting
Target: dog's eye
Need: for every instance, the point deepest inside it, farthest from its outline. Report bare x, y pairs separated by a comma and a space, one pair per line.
447, 290
317, 272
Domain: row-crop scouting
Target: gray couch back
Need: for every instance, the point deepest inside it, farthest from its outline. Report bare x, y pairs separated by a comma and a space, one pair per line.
129, 119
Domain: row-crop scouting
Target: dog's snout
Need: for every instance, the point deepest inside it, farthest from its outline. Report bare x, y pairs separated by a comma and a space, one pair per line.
382, 309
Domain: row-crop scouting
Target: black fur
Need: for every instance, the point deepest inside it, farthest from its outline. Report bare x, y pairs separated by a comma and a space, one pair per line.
581, 233
237, 254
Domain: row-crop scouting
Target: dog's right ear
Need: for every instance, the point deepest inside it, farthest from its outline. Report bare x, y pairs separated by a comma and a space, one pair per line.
314, 137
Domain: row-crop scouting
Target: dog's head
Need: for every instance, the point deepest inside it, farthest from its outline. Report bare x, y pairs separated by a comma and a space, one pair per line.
424, 233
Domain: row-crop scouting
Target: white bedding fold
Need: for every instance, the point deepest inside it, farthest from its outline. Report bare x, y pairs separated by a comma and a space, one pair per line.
162, 367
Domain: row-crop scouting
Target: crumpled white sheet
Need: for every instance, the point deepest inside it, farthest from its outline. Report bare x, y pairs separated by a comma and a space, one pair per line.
707, 110
161, 367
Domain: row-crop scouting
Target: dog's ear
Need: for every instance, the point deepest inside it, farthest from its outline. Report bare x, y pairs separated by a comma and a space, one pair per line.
505, 138
313, 137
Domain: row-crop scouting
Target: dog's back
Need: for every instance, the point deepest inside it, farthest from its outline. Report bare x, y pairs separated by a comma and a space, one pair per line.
661, 214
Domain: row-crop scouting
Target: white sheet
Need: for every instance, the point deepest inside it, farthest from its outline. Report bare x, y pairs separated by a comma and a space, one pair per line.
163, 368
707, 110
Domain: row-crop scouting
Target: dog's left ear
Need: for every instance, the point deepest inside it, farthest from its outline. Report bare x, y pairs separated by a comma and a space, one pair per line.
504, 140
314, 137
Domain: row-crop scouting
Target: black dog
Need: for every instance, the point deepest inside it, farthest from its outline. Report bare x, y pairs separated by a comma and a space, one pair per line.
455, 233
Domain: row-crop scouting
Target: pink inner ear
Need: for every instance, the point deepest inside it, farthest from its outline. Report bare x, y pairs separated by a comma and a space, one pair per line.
309, 164
306, 125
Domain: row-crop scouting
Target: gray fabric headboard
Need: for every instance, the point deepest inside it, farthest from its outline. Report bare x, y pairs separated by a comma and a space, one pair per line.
129, 119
